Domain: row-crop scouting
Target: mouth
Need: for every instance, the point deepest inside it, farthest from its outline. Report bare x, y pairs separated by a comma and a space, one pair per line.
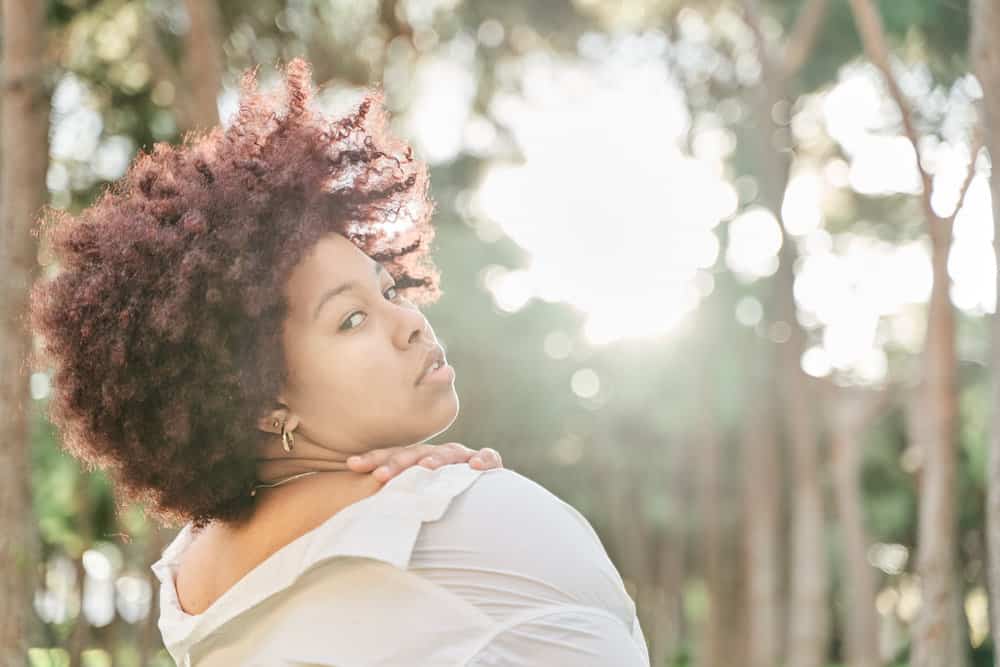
434, 360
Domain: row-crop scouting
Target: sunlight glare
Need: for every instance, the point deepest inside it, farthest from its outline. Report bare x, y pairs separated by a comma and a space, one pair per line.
754, 241
616, 218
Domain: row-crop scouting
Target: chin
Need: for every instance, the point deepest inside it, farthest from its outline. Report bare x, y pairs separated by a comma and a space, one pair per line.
443, 417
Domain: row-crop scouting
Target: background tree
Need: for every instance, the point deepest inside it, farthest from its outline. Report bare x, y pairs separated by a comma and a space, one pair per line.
23, 138
937, 641
985, 57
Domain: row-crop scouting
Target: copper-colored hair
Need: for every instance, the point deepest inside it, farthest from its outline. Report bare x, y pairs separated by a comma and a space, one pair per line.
163, 325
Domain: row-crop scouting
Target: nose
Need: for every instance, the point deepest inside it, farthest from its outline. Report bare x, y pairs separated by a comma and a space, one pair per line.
414, 329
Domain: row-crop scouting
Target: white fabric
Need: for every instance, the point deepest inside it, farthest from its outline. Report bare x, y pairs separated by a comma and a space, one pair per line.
447, 567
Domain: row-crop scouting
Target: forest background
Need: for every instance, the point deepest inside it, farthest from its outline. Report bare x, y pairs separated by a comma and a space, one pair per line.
721, 274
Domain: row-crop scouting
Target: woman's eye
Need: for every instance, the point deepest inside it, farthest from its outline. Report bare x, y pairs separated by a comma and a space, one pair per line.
350, 317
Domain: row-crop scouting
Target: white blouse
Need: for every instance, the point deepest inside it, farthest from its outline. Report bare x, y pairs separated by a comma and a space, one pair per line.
438, 568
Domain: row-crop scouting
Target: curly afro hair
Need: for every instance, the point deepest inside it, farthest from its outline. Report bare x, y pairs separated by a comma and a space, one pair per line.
163, 324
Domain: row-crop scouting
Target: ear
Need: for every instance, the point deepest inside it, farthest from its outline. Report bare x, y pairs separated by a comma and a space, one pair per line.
271, 422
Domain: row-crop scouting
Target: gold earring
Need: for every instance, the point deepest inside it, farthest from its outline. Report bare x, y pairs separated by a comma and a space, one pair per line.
275, 423
287, 439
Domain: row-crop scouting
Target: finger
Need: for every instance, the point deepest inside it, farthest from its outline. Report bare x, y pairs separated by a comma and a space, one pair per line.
368, 461
487, 458
430, 462
454, 452
373, 458
400, 459
449, 452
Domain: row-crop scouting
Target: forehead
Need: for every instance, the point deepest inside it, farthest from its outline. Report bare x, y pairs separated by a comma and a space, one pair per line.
331, 261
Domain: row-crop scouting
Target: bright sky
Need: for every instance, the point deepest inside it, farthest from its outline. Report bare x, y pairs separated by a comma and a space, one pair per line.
618, 221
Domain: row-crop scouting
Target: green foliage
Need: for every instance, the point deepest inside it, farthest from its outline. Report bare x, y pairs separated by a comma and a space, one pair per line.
889, 492
928, 31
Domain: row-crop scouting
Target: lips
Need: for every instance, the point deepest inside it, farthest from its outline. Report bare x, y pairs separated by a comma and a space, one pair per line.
434, 355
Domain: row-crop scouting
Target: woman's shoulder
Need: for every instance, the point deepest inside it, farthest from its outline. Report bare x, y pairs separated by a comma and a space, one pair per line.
533, 563
504, 504
509, 524
521, 502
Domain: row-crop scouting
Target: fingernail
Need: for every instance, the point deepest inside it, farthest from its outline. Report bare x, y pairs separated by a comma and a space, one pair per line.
354, 459
429, 462
382, 471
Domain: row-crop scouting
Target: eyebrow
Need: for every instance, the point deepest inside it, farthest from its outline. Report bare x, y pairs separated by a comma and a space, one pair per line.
349, 285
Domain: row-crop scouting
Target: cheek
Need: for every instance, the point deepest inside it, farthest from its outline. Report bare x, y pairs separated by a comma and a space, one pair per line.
358, 373
314, 368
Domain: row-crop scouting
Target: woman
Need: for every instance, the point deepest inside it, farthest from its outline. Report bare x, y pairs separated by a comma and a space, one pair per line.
229, 330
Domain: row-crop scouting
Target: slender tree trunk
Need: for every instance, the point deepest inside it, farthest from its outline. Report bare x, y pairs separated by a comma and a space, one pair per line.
673, 562
81, 635
734, 581
860, 619
938, 640
850, 413
198, 80
937, 637
711, 651
24, 136
722, 639
985, 53
202, 66
808, 611
809, 615
762, 503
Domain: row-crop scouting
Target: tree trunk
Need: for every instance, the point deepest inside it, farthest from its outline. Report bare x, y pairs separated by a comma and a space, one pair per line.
202, 67
197, 81
808, 610
937, 639
81, 635
672, 562
762, 503
937, 636
851, 411
809, 614
24, 136
711, 650
985, 57
860, 618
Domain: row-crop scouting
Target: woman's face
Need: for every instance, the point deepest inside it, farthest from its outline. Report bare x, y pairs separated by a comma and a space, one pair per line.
354, 355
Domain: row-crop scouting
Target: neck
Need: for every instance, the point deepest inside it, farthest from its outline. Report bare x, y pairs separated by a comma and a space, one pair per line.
310, 490
274, 463
272, 470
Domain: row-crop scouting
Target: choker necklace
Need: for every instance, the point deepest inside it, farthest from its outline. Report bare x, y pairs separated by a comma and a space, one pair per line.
253, 489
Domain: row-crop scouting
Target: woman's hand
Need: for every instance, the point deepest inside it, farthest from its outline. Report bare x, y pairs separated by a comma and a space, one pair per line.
390, 461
